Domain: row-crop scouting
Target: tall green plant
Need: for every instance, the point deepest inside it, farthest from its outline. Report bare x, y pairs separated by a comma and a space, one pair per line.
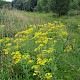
27, 5
42, 6
75, 4
62, 6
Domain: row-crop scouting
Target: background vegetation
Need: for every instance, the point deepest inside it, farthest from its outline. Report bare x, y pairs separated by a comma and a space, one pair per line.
39, 40
58, 6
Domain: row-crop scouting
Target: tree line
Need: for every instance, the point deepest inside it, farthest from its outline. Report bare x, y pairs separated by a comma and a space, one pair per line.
61, 7
4, 4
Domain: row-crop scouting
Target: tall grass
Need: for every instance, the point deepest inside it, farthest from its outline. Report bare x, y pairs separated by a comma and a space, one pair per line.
15, 20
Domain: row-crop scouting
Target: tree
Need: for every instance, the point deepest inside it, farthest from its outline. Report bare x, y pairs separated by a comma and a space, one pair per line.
43, 6
62, 7
5, 4
33, 3
75, 4
27, 5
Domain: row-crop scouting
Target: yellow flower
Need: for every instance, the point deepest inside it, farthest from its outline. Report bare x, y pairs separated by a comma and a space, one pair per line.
54, 41
35, 67
50, 59
44, 34
62, 25
13, 57
63, 33
44, 51
16, 53
16, 46
16, 56
16, 40
1, 40
25, 56
17, 34
45, 41
28, 31
19, 56
37, 34
34, 74
6, 50
49, 38
16, 61
41, 61
7, 39
50, 50
68, 49
38, 41
41, 45
48, 75
30, 61
36, 49
9, 44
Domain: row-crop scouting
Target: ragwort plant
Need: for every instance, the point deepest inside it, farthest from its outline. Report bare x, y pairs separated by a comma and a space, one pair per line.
42, 52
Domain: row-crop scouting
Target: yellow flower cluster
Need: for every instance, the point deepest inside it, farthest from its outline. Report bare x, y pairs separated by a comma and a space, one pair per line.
40, 42
36, 69
68, 49
24, 32
9, 44
48, 76
16, 56
25, 56
1, 40
30, 61
41, 61
6, 51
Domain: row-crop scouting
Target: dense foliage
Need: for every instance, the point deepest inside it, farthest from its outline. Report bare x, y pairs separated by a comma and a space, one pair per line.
40, 46
60, 7
42, 52
27, 5
4, 4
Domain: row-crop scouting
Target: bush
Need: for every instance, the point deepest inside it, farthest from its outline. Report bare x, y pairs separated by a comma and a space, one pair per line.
73, 13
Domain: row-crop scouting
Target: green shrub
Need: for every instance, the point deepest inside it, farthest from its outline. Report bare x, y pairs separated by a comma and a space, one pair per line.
73, 13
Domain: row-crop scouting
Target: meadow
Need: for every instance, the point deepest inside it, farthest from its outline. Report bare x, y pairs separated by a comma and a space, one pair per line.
39, 46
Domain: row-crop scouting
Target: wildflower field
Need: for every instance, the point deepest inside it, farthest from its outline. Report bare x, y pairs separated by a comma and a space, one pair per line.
41, 51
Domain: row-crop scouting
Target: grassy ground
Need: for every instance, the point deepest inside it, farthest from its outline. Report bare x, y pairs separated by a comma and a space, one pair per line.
39, 46
15, 21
